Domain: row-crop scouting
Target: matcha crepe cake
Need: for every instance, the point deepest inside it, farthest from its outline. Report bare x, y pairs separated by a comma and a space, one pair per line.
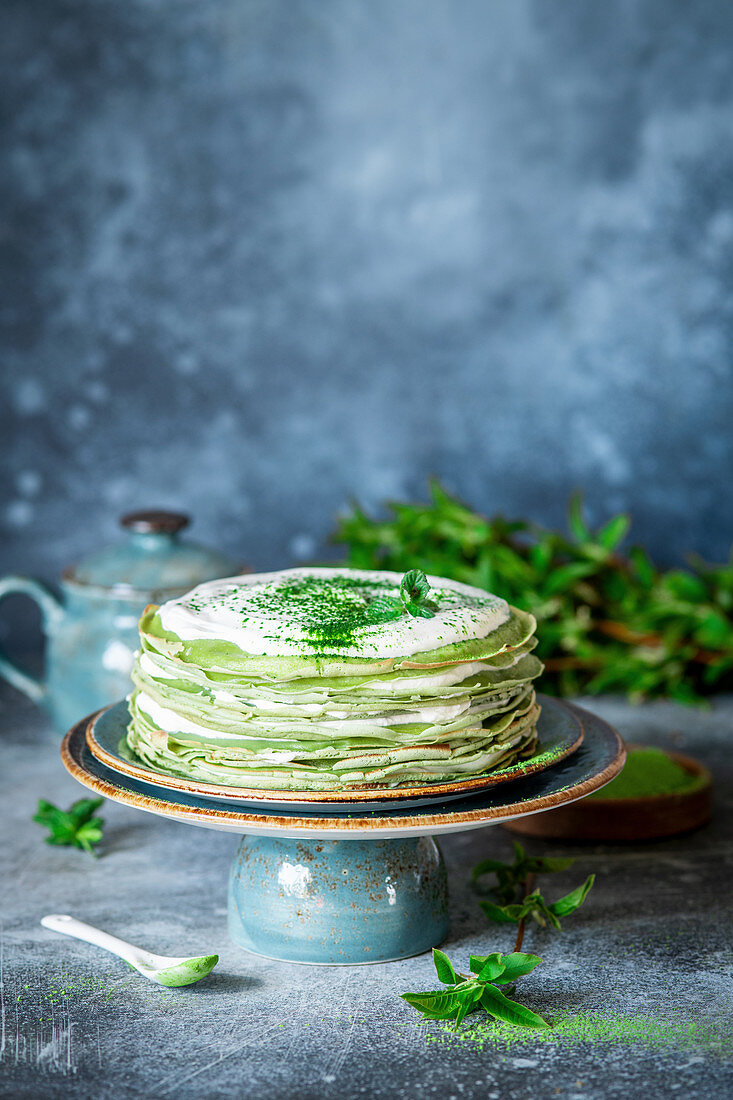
332, 679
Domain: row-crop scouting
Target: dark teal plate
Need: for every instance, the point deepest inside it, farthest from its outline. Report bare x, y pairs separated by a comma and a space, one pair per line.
560, 733
599, 758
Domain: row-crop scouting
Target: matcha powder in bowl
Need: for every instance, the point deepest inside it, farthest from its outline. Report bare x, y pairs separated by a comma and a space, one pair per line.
649, 772
657, 794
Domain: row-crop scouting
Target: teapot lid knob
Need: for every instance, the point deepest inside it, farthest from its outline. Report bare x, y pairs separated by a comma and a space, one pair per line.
155, 522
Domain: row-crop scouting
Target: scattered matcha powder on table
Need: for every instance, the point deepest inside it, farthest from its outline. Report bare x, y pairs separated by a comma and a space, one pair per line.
592, 1027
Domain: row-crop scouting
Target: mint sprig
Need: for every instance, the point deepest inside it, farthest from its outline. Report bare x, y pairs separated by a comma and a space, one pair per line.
518, 901
468, 993
534, 905
512, 877
76, 827
413, 600
414, 589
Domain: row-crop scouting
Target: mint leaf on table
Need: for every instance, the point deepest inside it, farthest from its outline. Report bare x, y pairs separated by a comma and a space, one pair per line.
516, 965
572, 901
76, 827
503, 914
487, 968
535, 906
496, 1004
444, 968
441, 1005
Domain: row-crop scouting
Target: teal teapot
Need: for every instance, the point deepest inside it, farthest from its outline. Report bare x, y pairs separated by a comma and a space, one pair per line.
91, 627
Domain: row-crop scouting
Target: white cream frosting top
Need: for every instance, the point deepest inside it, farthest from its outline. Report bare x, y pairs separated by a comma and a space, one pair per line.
307, 611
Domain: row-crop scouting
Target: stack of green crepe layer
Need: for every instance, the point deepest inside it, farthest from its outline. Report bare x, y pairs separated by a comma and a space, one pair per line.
206, 710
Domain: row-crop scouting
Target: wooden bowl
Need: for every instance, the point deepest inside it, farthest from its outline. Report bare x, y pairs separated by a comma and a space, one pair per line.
627, 819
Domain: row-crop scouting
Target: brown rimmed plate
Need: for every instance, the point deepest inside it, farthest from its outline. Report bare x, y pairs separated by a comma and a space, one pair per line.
595, 763
560, 733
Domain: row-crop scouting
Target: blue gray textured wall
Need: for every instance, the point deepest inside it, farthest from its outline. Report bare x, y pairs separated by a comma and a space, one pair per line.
261, 256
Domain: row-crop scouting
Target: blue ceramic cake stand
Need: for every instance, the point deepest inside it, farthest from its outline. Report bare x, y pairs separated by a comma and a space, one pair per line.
352, 885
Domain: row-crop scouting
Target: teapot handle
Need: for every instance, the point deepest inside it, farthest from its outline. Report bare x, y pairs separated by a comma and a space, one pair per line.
51, 610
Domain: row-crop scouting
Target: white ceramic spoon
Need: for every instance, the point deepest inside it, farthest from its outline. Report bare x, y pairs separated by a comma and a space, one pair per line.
163, 969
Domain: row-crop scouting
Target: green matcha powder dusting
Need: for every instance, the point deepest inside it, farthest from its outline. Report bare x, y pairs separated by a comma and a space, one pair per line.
596, 1028
333, 611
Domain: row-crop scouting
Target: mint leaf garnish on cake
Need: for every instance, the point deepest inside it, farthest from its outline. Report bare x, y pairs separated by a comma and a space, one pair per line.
414, 593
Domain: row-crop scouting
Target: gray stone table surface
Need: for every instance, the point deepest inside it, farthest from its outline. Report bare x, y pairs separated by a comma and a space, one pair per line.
650, 953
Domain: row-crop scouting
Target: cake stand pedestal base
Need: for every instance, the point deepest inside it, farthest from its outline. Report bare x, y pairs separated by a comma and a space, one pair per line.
338, 902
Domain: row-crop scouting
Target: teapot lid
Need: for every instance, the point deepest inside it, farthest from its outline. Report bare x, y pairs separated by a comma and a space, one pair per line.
152, 561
